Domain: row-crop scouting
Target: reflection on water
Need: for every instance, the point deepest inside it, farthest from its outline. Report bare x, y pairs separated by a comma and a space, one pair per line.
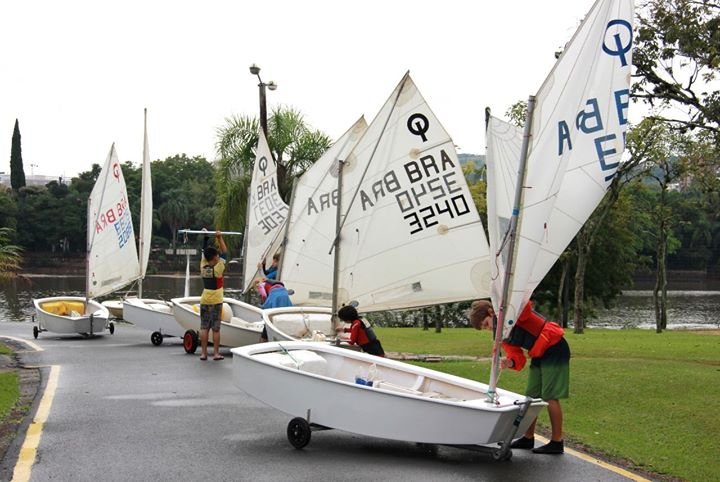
686, 309
16, 295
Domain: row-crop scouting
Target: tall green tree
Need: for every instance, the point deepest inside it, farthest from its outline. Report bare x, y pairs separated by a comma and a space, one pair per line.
294, 145
677, 59
17, 173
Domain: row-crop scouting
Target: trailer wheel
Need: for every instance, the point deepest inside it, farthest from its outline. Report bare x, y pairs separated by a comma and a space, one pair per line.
498, 454
190, 342
298, 432
36, 332
112, 328
156, 338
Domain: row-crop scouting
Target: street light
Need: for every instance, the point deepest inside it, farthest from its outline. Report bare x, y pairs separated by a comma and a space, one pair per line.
255, 70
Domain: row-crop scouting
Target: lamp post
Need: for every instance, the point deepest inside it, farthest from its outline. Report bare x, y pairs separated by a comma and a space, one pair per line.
255, 70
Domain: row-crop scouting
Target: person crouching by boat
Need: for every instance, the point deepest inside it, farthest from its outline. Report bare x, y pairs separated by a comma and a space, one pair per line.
212, 270
360, 331
549, 377
274, 295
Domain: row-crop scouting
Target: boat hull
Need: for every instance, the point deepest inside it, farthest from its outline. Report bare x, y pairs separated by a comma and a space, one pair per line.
403, 405
60, 314
115, 307
299, 323
243, 327
153, 315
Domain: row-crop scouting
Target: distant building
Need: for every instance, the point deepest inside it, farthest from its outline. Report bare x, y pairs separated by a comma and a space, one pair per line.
32, 180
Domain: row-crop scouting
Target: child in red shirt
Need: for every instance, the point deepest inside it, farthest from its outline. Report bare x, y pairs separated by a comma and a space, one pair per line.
360, 331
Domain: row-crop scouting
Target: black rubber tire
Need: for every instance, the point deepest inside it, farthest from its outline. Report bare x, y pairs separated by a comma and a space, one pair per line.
36, 332
498, 455
299, 432
112, 328
190, 342
156, 338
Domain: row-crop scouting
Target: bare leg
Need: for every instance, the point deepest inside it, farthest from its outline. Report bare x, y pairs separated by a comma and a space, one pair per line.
530, 432
216, 343
556, 419
203, 342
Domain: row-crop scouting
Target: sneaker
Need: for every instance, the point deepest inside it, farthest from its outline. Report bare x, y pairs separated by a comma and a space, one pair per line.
523, 443
551, 447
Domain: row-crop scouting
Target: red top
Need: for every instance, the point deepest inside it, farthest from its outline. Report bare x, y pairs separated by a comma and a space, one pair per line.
357, 334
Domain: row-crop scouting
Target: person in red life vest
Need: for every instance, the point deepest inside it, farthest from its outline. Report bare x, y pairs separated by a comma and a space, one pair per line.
212, 270
360, 331
549, 377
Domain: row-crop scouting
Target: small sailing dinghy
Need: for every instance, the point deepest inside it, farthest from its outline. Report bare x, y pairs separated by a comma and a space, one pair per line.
111, 262
151, 314
325, 386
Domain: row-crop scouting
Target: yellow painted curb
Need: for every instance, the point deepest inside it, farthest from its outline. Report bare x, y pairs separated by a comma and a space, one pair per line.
28, 451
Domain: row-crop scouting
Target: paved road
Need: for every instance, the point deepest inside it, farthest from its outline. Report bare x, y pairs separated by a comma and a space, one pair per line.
126, 410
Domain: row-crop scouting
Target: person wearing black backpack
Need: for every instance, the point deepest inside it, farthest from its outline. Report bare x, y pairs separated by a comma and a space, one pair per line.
360, 331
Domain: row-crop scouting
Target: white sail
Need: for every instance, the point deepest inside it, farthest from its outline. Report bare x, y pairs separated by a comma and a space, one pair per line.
502, 158
307, 260
112, 255
576, 144
410, 235
266, 213
146, 206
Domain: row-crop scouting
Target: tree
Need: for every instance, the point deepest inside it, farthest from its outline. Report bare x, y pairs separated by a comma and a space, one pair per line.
293, 143
175, 211
17, 174
9, 254
676, 59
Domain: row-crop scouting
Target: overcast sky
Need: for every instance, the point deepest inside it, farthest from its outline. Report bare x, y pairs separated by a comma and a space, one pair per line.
77, 74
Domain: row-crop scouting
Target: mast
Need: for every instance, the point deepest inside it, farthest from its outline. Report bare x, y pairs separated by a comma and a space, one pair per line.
143, 207
336, 246
284, 240
512, 230
88, 246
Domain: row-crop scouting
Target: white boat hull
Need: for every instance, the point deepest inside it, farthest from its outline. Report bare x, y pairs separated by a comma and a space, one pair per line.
115, 307
407, 403
153, 315
51, 316
299, 323
242, 327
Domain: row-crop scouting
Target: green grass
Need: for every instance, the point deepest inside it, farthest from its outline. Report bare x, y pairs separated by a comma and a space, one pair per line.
4, 350
652, 399
9, 393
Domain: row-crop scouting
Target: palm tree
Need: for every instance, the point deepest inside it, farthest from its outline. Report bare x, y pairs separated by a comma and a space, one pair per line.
9, 254
175, 211
294, 144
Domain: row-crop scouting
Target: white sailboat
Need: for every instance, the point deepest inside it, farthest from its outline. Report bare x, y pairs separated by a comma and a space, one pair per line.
152, 314
409, 236
307, 264
266, 213
402, 196
324, 386
543, 186
111, 261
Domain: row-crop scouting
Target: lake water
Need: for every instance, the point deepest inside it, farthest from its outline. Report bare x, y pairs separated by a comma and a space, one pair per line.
687, 308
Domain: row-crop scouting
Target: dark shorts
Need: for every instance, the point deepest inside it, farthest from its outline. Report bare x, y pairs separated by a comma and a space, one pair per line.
210, 317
